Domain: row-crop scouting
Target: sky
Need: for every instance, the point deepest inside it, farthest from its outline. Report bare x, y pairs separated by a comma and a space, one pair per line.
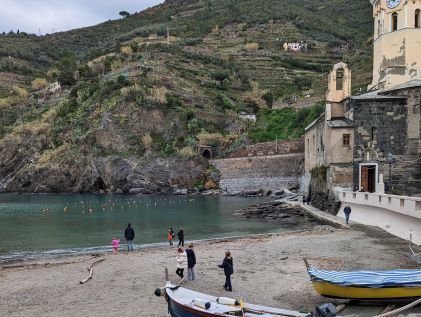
31, 16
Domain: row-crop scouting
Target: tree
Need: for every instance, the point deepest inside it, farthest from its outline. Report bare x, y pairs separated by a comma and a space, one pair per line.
124, 14
66, 67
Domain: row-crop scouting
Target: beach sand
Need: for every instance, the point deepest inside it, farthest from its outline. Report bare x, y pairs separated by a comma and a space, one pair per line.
268, 270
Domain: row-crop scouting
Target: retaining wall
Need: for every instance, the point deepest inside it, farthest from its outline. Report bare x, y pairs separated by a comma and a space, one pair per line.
270, 172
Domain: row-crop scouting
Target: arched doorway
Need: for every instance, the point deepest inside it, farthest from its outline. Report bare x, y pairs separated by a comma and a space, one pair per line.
206, 154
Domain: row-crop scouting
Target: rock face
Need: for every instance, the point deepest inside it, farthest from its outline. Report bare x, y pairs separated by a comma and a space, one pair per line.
108, 175
275, 211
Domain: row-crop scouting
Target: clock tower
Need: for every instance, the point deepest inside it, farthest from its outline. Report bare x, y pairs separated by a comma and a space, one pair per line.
397, 42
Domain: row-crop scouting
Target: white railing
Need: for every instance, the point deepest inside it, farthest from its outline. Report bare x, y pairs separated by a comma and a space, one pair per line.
409, 206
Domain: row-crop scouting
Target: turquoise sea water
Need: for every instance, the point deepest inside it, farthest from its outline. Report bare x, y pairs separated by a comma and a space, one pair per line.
42, 226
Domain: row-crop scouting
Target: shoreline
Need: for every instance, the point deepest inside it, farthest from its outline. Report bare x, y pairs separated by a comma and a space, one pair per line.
146, 247
268, 270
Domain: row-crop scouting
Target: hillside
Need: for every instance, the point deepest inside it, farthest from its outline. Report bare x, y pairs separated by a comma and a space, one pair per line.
135, 104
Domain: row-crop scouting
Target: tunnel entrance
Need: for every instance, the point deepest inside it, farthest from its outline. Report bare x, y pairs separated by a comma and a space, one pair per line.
206, 154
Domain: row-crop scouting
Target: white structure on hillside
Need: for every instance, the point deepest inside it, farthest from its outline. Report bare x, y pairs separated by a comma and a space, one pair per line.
295, 47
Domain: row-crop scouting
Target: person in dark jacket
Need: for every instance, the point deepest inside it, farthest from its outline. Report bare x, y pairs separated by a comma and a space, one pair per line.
180, 235
129, 235
191, 262
347, 212
228, 266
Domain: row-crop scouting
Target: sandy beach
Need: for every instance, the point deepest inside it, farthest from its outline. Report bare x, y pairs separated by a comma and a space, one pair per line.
268, 270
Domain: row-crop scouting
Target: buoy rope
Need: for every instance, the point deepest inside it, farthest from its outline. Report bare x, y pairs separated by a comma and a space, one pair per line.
399, 310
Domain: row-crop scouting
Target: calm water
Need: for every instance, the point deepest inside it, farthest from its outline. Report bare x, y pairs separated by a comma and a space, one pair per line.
42, 226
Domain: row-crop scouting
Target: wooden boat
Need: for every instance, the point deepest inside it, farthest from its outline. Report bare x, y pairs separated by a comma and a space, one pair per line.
366, 285
183, 302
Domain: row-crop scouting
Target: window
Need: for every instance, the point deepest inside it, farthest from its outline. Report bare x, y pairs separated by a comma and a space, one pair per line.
379, 28
340, 79
373, 133
417, 18
394, 21
346, 139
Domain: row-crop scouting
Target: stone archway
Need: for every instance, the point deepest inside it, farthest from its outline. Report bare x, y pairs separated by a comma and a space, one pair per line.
207, 154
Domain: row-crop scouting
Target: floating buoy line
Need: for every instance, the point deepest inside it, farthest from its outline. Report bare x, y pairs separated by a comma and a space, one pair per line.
90, 207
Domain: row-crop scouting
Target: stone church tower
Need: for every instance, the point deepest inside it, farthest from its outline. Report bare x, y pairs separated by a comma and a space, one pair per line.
397, 42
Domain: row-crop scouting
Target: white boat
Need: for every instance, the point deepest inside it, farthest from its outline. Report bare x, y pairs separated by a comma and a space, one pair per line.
183, 302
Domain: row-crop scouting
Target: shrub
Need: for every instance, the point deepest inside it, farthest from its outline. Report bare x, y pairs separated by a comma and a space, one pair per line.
147, 141
127, 50
211, 139
187, 151
21, 92
251, 47
285, 123
39, 83
158, 95
173, 101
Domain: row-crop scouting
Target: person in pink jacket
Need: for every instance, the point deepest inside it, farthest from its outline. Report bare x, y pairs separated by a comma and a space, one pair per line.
115, 244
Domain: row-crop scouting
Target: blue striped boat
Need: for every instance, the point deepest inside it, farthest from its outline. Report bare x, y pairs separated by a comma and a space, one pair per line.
393, 284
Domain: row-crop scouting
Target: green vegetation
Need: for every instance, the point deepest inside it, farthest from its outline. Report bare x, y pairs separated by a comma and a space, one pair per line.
285, 123
151, 98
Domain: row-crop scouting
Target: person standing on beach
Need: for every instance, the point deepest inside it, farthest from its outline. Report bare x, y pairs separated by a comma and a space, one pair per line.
170, 236
191, 262
347, 212
129, 235
228, 266
181, 264
115, 244
180, 235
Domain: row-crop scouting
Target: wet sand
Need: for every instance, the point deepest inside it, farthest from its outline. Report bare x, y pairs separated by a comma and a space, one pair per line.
268, 270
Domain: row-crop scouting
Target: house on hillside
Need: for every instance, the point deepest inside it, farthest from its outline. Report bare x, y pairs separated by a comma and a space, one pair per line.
295, 47
54, 87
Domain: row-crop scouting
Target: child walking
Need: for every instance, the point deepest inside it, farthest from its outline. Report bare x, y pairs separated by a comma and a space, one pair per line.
181, 264
228, 266
170, 236
115, 244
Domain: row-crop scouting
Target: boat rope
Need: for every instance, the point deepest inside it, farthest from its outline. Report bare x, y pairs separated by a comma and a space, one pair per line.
399, 310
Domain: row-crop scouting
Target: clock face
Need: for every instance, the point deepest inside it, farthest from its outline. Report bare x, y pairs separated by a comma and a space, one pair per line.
391, 4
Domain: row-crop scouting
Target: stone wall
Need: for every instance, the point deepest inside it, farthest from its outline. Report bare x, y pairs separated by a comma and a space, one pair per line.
270, 148
325, 202
396, 126
272, 172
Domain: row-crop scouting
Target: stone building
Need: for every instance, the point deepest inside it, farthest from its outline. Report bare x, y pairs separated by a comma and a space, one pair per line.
387, 117
385, 122
328, 142
397, 42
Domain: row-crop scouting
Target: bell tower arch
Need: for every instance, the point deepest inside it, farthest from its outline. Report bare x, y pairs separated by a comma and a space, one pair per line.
397, 38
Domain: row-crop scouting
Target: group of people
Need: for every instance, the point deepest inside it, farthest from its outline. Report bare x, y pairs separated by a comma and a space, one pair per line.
187, 258
180, 235
128, 235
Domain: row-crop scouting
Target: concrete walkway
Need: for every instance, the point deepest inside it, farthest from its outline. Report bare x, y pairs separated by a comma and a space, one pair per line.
322, 216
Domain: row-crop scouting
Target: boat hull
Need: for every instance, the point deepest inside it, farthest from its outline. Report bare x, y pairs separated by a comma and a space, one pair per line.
179, 310
337, 291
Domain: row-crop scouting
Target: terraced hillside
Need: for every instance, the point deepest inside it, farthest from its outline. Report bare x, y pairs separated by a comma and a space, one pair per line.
135, 104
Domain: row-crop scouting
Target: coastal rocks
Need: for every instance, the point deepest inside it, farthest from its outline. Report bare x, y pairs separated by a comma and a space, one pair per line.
109, 175
275, 211
183, 191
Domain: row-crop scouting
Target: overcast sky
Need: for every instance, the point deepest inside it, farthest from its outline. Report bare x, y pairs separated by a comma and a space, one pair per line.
61, 15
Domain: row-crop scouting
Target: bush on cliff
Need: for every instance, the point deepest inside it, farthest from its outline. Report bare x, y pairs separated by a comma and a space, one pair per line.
285, 123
